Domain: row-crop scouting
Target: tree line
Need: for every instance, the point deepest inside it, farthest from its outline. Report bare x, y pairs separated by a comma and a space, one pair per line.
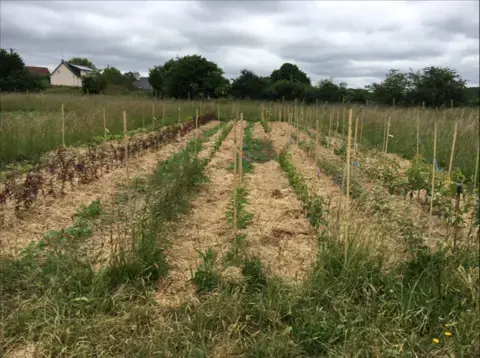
193, 76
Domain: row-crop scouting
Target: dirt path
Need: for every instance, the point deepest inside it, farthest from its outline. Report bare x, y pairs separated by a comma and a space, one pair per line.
279, 235
205, 227
55, 214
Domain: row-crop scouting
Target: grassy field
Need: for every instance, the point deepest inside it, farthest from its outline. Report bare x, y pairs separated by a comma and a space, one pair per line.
32, 124
181, 257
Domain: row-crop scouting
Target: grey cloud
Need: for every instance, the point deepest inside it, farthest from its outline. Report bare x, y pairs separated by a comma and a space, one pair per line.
247, 6
351, 42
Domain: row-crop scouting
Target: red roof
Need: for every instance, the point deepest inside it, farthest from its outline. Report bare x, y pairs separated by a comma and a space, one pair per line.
41, 71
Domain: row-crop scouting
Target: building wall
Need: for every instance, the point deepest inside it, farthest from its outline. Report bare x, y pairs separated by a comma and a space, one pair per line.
64, 77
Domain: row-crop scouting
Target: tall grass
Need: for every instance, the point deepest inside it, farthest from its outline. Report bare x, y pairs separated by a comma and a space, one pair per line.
32, 124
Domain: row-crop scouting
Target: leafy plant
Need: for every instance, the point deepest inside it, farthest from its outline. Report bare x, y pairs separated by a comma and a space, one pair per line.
314, 205
206, 278
418, 175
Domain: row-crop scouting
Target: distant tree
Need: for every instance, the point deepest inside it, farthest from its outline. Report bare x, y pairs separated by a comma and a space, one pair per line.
396, 85
14, 76
290, 72
436, 86
357, 95
186, 76
328, 91
249, 85
112, 76
472, 96
290, 90
223, 89
82, 62
156, 76
129, 78
94, 83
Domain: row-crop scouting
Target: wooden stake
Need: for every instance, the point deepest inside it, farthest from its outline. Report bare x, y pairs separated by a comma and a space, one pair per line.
125, 140
295, 117
235, 149
388, 135
330, 130
350, 113
453, 149
163, 115
240, 162
433, 177
143, 117
178, 110
317, 134
384, 134
218, 112
355, 137
361, 131
63, 127
298, 126
104, 124
476, 168
418, 131
196, 127
153, 116
235, 179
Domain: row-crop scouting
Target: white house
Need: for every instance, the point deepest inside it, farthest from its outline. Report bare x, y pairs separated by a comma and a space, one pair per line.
68, 74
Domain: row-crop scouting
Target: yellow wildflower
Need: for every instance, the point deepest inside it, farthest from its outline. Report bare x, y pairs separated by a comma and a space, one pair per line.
436, 340
448, 334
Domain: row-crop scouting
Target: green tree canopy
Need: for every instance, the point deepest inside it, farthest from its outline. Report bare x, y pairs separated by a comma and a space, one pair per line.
129, 78
82, 62
113, 76
290, 72
289, 90
94, 83
188, 76
193, 76
436, 86
249, 85
395, 86
15, 77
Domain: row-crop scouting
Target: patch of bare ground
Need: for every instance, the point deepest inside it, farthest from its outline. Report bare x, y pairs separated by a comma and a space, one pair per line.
27, 351
279, 235
205, 227
56, 213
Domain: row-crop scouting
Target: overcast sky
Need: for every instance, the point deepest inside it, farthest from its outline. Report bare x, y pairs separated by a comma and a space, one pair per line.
356, 42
